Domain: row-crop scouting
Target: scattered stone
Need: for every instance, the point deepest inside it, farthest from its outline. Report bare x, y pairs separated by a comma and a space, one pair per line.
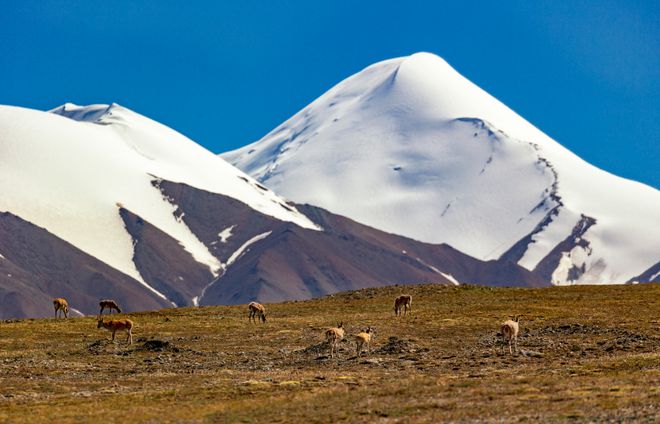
156, 345
395, 346
316, 348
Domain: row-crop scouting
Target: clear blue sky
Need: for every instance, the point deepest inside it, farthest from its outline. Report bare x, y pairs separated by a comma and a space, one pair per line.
225, 73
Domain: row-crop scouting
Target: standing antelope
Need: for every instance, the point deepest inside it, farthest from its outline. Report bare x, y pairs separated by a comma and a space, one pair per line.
403, 302
115, 325
110, 305
509, 331
60, 304
334, 336
363, 338
257, 311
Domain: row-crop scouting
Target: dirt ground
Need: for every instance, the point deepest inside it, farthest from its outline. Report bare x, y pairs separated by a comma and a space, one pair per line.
587, 354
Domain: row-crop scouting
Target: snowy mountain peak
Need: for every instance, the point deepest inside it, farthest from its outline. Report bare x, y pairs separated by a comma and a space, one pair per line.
427, 84
412, 147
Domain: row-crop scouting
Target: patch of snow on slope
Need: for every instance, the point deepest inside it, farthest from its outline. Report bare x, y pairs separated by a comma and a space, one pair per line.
225, 234
440, 160
450, 278
244, 248
77, 312
437, 271
234, 256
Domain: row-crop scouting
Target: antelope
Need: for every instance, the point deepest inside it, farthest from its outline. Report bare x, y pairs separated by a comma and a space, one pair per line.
334, 336
257, 311
509, 332
362, 339
60, 304
110, 305
403, 302
115, 325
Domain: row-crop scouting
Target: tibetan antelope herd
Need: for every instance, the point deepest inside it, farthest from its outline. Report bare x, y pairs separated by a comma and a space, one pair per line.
257, 312
62, 307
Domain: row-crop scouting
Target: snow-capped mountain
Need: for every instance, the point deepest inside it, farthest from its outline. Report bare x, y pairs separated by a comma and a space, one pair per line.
99, 201
71, 171
411, 147
89, 161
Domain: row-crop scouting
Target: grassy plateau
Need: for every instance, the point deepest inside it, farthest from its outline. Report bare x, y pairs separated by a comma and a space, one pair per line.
588, 354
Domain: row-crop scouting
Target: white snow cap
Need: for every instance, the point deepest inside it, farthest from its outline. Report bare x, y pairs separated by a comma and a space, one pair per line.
410, 146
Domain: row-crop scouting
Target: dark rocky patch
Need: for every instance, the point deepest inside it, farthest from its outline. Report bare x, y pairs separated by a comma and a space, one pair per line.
396, 346
156, 345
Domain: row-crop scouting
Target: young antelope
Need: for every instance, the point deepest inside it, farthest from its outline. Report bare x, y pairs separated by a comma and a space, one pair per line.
362, 339
60, 304
257, 311
118, 325
110, 305
403, 302
509, 332
334, 336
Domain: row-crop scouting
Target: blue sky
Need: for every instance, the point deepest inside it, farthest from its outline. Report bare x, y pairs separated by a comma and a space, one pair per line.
225, 73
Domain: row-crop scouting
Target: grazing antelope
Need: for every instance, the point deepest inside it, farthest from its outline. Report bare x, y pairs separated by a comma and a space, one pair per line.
115, 325
362, 339
60, 304
334, 336
110, 305
257, 311
403, 302
509, 332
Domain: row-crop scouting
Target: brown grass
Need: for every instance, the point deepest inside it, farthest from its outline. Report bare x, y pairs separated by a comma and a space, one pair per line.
590, 354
